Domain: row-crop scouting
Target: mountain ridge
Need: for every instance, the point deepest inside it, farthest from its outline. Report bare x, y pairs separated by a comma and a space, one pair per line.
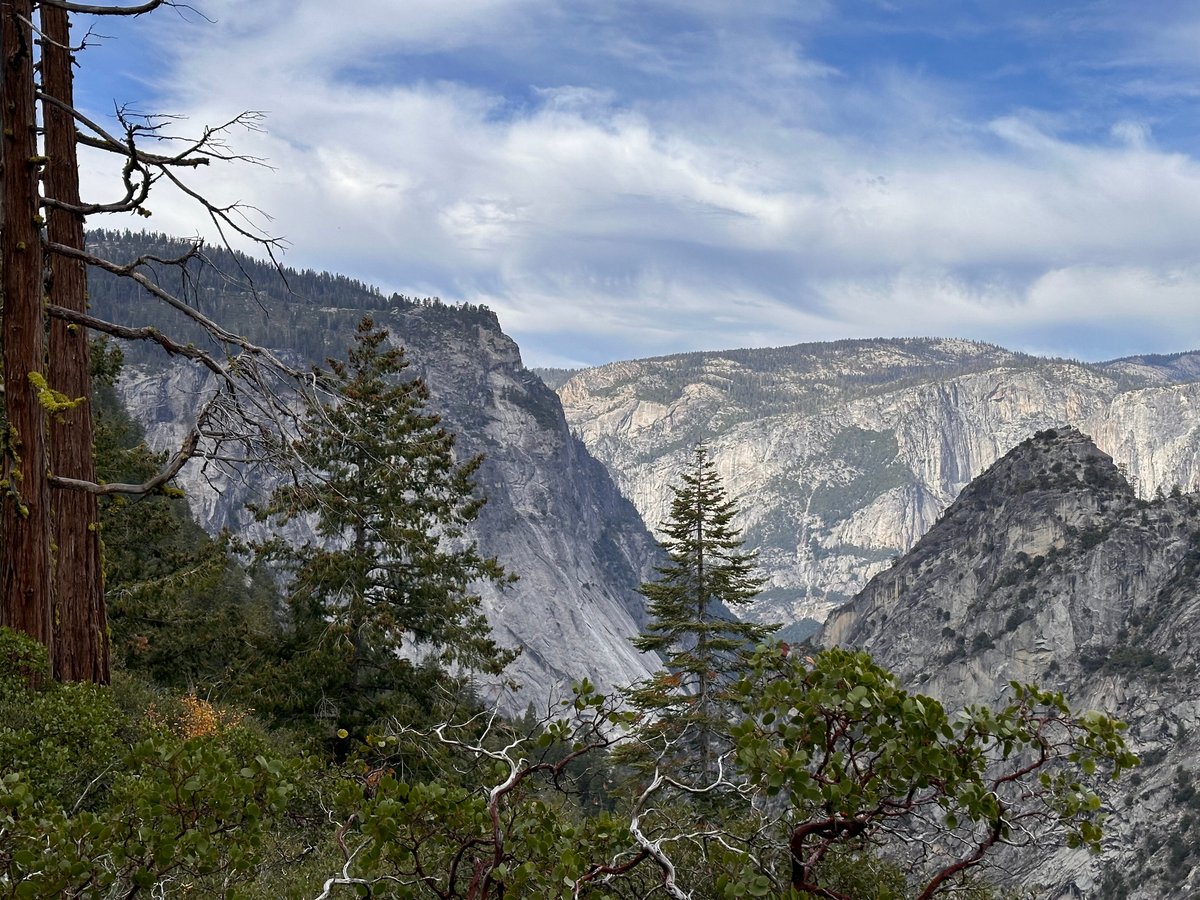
553, 514
1049, 568
842, 455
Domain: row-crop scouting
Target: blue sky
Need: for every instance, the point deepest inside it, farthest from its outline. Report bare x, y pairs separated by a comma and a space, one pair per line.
622, 179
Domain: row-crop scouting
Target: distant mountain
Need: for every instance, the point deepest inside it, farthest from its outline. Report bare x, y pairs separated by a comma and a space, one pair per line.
1049, 568
1175, 368
553, 514
841, 455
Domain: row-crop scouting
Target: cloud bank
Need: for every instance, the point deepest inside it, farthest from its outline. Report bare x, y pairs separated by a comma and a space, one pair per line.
621, 179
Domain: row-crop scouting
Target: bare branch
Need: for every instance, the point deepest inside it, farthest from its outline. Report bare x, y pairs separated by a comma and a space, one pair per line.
145, 333
177, 461
106, 141
199, 151
136, 192
92, 10
653, 849
91, 784
223, 217
345, 878
211, 143
218, 333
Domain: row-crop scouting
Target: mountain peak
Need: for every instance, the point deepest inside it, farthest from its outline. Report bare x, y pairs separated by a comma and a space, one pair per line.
1033, 502
1049, 569
1061, 459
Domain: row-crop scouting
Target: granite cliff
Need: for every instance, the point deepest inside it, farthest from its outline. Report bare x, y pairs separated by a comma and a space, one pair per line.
1050, 568
553, 514
842, 455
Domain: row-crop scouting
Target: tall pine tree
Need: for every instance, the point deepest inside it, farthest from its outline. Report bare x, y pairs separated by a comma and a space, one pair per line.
708, 576
392, 568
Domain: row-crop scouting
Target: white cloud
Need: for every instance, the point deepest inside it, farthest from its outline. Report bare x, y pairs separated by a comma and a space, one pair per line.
731, 214
1135, 135
307, 32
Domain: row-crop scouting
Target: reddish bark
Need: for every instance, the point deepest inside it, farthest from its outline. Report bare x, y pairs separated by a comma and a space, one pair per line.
26, 597
81, 651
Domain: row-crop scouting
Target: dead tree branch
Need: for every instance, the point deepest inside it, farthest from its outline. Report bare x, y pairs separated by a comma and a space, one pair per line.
218, 333
178, 460
89, 9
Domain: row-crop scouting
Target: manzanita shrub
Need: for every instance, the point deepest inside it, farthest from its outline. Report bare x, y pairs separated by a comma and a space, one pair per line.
837, 784
96, 804
853, 757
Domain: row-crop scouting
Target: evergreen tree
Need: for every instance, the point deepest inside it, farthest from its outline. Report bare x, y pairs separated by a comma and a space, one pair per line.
51, 570
709, 575
392, 567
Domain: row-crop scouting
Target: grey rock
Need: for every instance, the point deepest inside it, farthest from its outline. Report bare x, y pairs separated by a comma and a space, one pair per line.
1049, 568
553, 515
842, 455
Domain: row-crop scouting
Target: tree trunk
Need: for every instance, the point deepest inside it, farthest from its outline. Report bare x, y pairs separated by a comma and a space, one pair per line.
26, 597
81, 639
707, 769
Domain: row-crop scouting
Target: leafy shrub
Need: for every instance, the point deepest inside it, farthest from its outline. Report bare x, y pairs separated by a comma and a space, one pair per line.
192, 809
95, 801
59, 736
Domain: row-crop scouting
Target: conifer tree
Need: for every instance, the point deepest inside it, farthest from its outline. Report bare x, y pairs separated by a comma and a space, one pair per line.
708, 575
392, 567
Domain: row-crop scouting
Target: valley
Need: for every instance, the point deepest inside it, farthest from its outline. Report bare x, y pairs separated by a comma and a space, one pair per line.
968, 515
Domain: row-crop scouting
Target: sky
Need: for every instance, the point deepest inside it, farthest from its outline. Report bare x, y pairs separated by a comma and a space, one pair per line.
629, 178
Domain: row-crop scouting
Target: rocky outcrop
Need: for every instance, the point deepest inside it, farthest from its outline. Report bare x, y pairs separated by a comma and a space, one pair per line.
1049, 568
553, 514
842, 455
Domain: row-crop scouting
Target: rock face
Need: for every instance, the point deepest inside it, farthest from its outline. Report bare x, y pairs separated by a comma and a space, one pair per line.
553, 514
1049, 568
842, 455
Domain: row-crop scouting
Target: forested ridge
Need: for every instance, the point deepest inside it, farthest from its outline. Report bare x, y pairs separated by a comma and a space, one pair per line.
270, 305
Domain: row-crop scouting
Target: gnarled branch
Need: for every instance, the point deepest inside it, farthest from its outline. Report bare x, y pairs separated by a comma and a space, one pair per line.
223, 335
177, 461
144, 333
